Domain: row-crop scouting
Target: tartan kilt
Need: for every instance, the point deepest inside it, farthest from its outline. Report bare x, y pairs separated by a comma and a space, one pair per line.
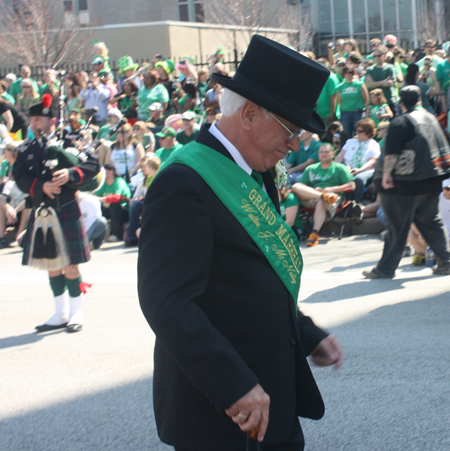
73, 230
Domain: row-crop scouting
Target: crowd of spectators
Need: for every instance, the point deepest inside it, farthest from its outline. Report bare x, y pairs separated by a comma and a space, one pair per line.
135, 120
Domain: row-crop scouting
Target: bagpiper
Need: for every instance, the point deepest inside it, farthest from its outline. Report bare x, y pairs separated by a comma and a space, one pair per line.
55, 239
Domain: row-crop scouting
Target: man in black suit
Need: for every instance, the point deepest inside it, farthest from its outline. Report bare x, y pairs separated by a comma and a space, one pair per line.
218, 276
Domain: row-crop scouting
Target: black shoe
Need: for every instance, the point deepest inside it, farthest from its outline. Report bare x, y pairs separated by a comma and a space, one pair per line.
74, 327
375, 273
4, 243
47, 327
131, 243
357, 213
441, 269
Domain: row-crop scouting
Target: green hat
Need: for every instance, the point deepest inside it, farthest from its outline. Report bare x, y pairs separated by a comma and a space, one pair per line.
126, 63
104, 73
168, 66
220, 50
167, 132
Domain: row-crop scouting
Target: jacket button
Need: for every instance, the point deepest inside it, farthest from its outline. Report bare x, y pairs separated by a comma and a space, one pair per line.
293, 342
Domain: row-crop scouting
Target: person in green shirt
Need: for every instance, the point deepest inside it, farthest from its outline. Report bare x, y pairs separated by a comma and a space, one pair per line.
51, 84
443, 71
114, 117
412, 78
382, 75
169, 144
151, 92
319, 186
378, 108
307, 154
326, 104
289, 210
430, 47
352, 96
16, 89
113, 195
190, 131
4, 92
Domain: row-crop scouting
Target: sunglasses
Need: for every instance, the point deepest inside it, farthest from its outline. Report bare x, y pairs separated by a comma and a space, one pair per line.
359, 131
336, 142
341, 64
402, 57
378, 56
447, 188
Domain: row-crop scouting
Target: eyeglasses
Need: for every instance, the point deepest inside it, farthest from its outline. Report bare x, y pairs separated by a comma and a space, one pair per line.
359, 131
341, 64
447, 188
402, 57
378, 56
187, 120
293, 135
336, 142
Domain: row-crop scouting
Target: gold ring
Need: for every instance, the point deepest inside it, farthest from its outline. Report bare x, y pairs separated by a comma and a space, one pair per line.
243, 417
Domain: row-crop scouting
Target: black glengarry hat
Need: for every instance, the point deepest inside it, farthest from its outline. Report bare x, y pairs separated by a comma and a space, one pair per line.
45, 108
280, 80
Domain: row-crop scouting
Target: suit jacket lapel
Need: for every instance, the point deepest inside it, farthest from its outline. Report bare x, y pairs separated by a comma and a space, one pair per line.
207, 139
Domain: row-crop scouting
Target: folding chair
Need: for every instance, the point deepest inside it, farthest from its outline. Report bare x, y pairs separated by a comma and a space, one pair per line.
307, 215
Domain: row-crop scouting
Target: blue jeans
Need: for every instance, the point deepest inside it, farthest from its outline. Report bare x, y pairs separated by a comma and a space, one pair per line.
361, 180
135, 219
349, 120
97, 232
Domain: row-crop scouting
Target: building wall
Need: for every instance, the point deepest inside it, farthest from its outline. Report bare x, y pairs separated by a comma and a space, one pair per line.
107, 12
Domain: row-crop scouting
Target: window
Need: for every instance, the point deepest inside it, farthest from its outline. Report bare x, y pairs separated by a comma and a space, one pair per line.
324, 8
82, 5
198, 10
341, 16
359, 17
67, 6
374, 12
390, 14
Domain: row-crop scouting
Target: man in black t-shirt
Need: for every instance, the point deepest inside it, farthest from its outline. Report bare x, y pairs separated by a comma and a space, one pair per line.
417, 159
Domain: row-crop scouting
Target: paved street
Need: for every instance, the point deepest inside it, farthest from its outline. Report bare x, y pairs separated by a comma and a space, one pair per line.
92, 391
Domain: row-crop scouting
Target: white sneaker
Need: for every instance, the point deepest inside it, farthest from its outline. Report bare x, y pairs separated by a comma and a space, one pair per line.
112, 239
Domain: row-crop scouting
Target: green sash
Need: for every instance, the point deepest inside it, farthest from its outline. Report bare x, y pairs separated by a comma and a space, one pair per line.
251, 206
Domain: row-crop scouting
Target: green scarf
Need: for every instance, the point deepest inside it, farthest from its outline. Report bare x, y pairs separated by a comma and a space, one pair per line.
251, 206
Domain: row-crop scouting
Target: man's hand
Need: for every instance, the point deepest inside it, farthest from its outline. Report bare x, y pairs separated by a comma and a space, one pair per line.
387, 182
255, 407
60, 177
328, 352
51, 189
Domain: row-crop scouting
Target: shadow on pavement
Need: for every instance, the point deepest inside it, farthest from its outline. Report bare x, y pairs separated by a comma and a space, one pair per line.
25, 339
119, 419
392, 392
361, 288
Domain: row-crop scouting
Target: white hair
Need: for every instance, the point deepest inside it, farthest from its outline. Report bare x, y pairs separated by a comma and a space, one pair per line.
231, 103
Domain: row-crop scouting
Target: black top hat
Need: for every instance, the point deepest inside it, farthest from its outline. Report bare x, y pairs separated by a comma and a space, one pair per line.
281, 80
45, 108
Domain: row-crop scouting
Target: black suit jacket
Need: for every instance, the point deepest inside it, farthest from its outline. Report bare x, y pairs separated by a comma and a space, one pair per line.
223, 319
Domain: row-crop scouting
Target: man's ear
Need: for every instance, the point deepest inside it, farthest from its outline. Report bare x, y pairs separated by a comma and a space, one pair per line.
249, 113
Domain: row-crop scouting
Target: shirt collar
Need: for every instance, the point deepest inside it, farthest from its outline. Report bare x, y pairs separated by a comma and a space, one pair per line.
237, 156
